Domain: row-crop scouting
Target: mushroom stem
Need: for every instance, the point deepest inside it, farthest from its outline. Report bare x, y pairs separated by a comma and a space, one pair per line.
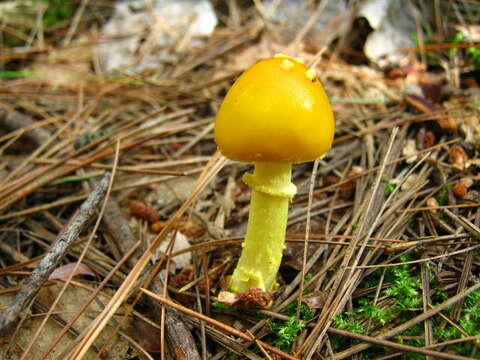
267, 223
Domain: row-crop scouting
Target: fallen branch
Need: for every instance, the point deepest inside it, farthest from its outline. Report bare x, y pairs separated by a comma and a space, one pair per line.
53, 257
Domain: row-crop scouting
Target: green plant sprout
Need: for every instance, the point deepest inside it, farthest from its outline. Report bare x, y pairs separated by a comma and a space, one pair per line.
472, 50
372, 311
389, 188
405, 293
443, 194
222, 307
469, 322
475, 54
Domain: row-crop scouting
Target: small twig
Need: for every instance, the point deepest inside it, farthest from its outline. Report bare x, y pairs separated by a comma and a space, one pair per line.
422, 260
76, 20
120, 230
33, 340
462, 284
307, 235
474, 339
179, 338
264, 352
53, 257
427, 324
401, 347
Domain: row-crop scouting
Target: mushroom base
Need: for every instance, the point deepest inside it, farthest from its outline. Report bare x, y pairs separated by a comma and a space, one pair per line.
265, 239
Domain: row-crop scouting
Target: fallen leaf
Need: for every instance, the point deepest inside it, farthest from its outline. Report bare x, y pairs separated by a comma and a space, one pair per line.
68, 67
316, 300
63, 272
294, 14
139, 34
181, 242
393, 22
410, 151
68, 305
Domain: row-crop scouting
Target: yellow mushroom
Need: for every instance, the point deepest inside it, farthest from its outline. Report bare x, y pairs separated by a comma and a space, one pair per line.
275, 114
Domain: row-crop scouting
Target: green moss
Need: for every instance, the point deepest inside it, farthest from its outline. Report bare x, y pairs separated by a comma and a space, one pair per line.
57, 10
371, 311
219, 306
405, 289
470, 319
285, 333
442, 196
348, 320
306, 314
469, 322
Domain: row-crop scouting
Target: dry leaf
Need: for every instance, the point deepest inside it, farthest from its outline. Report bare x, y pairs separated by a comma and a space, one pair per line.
139, 34
68, 67
316, 300
181, 242
69, 304
63, 272
410, 151
393, 22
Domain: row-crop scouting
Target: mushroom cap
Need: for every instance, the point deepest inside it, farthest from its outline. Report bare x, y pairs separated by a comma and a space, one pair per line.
276, 111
